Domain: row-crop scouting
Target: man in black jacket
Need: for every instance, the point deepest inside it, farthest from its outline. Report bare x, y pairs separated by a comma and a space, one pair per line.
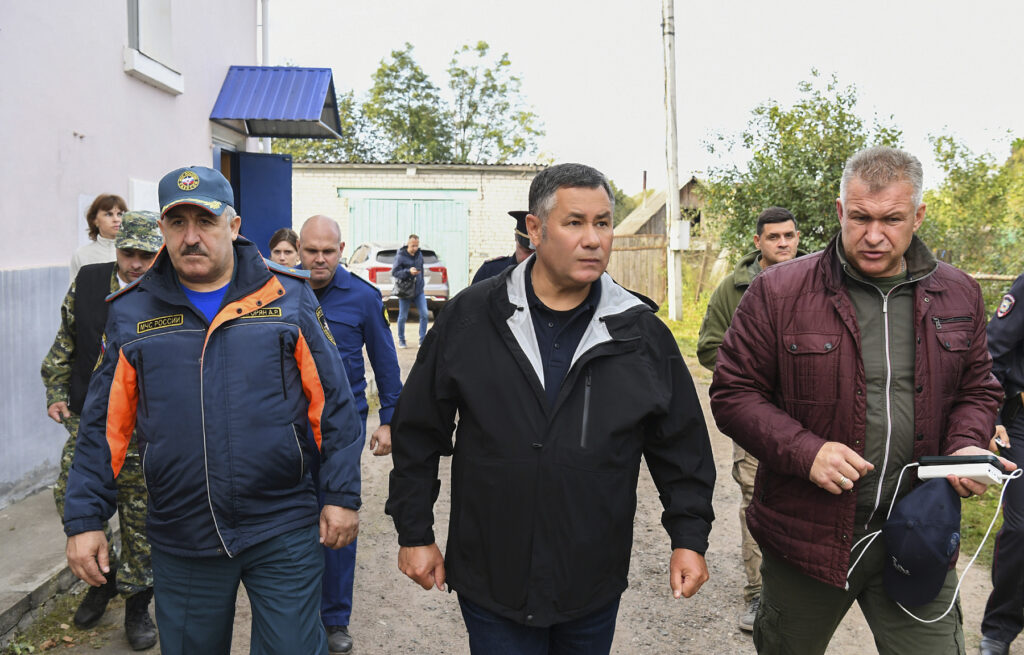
562, 380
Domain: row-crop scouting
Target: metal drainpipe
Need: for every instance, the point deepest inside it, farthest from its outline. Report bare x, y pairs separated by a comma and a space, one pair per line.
265, 5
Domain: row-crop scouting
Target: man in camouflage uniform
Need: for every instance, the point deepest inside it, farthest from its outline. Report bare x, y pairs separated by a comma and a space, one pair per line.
66, 370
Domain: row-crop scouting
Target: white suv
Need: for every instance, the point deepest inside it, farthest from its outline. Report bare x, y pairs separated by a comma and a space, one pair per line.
373, 261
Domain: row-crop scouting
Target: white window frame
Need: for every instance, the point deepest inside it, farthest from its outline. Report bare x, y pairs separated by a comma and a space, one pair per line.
151, 67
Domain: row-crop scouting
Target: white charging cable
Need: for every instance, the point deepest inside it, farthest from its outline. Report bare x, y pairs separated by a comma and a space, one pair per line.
1006, 477
870, 538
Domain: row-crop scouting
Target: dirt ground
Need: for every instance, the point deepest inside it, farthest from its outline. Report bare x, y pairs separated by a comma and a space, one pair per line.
394, 615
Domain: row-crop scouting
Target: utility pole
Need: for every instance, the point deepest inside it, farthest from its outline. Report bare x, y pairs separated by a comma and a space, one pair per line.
678, 230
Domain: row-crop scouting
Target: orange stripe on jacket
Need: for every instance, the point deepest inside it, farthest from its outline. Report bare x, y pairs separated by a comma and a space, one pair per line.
121, 405
268, 293
311, 386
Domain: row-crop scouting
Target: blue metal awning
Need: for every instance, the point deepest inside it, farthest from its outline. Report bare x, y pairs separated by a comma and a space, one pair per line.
279, 101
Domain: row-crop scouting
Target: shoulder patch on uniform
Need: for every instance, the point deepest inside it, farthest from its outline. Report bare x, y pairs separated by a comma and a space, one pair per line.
263, 312
290, 271
120, 292
159, 323
323, 324
1006, 306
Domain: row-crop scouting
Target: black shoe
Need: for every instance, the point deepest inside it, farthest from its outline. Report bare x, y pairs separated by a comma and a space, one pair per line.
95, 602
749, 614
138, 626
990, 646
338, 640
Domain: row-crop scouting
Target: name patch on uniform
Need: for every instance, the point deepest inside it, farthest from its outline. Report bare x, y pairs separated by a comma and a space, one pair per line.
1006, 306
323, 324
160, 323
263, 312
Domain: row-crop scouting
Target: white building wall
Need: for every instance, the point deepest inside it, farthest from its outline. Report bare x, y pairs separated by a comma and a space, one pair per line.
498, 190
73, 125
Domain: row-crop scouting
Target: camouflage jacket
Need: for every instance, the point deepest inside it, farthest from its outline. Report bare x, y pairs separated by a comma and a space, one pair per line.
56, 368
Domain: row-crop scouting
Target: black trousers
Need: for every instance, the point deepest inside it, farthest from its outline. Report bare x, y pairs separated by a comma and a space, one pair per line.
1004, 612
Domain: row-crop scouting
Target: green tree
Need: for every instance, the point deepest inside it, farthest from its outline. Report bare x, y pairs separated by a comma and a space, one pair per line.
491, 123
355, 144
977, 213
624, 204
405, 110
797, 159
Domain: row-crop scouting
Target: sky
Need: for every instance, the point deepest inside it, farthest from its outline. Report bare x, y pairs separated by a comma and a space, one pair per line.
593, 69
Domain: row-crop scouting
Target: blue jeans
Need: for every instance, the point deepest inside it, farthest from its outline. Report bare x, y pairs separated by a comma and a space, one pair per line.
403, 313
491, 634
195, 597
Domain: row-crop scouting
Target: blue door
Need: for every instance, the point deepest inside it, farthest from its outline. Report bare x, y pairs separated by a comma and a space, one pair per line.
263, 194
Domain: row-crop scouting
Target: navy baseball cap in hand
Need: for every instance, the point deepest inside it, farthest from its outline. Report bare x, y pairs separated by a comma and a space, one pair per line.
195, 185
921, 537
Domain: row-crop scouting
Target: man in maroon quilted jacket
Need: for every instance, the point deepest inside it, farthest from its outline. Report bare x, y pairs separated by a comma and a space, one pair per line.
840, 368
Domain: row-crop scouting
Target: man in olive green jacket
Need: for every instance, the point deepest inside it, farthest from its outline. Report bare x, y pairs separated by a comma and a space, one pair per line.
776, 240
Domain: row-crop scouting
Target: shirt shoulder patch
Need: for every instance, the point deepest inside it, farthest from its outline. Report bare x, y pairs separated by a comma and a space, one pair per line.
322, 319
1006, 306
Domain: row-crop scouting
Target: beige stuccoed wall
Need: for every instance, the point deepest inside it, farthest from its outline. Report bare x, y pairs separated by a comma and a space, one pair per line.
498, 189
74, 124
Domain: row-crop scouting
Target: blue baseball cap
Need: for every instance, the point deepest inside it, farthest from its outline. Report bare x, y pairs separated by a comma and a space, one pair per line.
195, 185
921, 537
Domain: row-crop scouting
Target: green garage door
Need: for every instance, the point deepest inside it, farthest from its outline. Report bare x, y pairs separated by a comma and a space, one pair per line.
442, 226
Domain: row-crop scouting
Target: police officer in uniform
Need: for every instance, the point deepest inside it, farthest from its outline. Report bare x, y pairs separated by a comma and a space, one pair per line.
524, 249
66, 370
355, 312
1004, 612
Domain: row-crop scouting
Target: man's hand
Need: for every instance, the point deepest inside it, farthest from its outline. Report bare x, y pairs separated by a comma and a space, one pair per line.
58, 411
687, 571
836, 467
966, 486
380, 441
414, 271
1000, 441
424, 564
87, 556
338, 526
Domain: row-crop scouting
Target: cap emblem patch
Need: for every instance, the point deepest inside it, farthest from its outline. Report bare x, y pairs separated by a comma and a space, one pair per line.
188, 181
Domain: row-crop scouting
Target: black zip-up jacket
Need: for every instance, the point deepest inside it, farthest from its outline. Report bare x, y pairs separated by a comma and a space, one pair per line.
543, 500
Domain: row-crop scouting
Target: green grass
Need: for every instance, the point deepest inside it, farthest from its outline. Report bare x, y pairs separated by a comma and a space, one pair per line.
686, 330
55, 629
976, 511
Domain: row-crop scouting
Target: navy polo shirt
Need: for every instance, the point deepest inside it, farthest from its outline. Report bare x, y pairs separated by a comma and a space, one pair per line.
558, 333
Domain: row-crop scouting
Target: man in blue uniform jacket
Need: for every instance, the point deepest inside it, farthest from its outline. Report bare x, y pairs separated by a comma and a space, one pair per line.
355, 313
524, 249
230, 375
